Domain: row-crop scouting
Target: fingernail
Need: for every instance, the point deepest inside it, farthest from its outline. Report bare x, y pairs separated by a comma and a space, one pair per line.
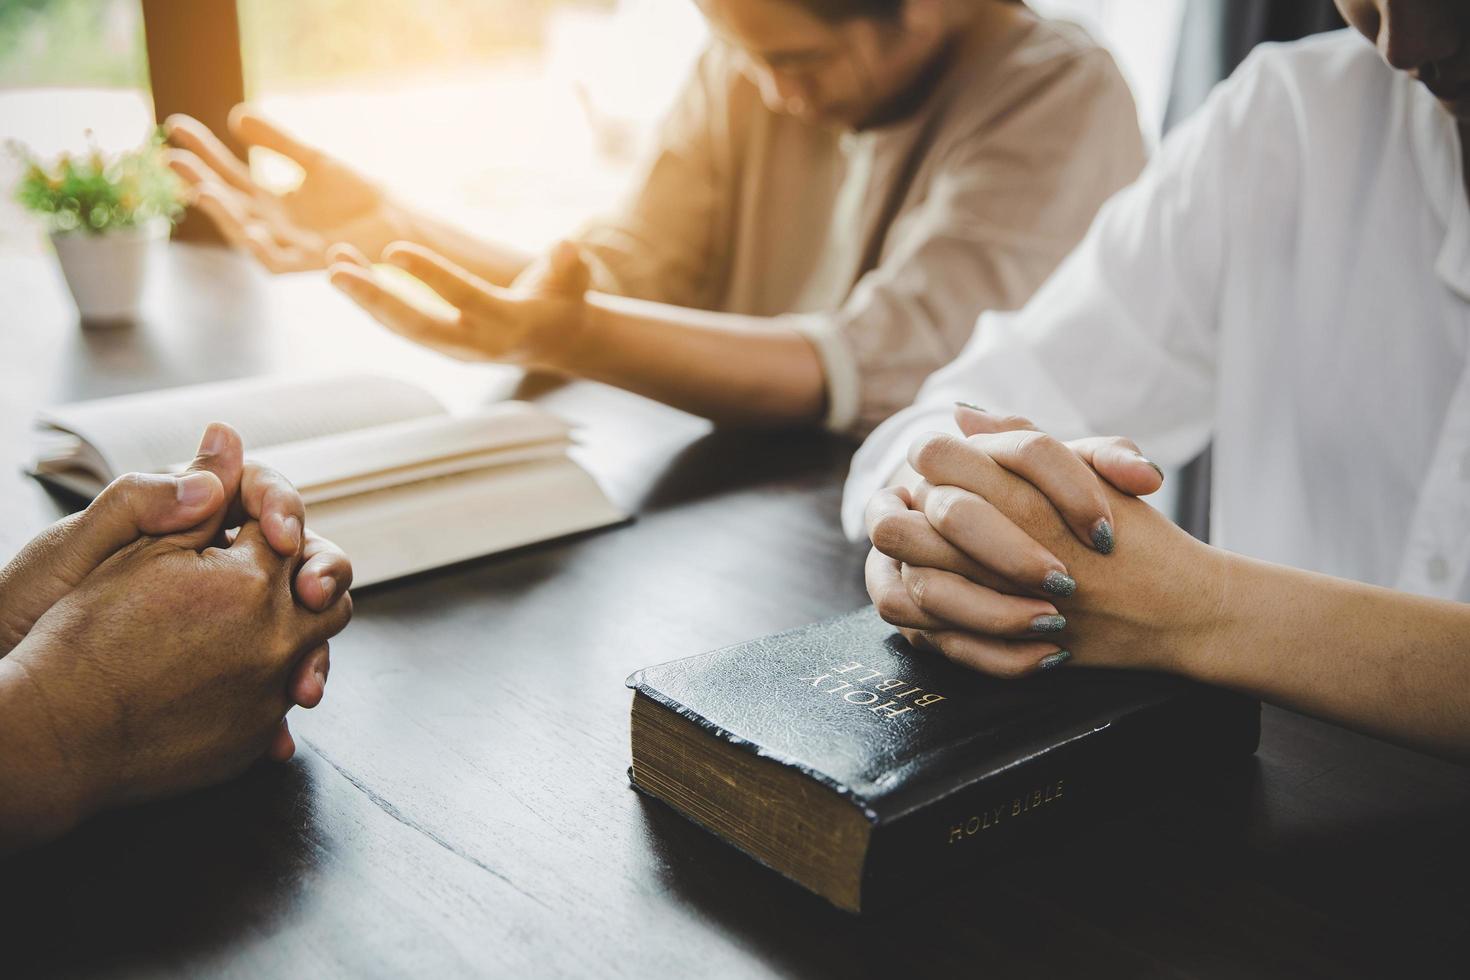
321, 676
213, 442
291, 525
193, 489
971, 406
1054, 661
1059, 583
1049, 624
1157, 469
328, 585
1102, 536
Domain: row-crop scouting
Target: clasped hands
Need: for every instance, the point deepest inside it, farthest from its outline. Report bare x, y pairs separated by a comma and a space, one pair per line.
1012, 552
153, 648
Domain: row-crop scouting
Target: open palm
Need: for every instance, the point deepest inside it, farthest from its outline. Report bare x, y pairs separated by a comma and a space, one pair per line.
286, 232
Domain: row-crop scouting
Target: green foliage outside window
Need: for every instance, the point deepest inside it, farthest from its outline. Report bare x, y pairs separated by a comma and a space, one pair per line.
286, 43
72, 42
292, 43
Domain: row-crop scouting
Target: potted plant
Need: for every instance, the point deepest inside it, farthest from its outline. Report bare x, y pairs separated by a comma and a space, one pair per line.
106, 216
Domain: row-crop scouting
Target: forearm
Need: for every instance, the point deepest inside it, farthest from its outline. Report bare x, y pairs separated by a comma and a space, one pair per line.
726, 367
39, 799
494, 262
1384, 662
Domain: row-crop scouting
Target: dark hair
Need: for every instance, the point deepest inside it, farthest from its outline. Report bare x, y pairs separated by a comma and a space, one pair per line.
836, 11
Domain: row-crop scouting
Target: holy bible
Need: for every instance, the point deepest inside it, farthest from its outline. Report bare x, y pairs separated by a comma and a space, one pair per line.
865, 770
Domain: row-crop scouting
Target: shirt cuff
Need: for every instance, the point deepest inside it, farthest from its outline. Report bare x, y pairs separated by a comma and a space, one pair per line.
600, 275
839, 366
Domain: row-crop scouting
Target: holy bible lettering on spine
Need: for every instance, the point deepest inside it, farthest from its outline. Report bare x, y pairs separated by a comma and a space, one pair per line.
864, 770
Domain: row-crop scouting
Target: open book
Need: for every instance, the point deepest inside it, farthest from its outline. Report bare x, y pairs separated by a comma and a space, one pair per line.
386, 473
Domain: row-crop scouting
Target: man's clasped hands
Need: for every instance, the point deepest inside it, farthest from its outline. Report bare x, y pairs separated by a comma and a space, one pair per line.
154, 642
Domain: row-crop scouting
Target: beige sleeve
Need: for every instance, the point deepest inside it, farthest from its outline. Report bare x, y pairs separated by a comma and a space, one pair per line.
1009, 202
667, 241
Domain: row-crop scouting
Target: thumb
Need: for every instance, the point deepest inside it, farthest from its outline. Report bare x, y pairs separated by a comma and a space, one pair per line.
221, 455
132, 506
567, 273
138, 504
1118, 461
253, 129
975, 421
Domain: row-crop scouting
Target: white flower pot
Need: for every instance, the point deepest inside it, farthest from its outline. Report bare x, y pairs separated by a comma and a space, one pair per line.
106, 273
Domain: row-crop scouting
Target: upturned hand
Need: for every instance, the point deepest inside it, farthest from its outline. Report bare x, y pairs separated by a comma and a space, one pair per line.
286, 232
537, 322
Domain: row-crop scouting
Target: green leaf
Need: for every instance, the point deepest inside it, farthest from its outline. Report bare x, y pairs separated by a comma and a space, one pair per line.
96, 193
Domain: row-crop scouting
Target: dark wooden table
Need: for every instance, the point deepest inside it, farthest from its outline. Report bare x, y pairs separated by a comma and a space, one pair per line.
459, 804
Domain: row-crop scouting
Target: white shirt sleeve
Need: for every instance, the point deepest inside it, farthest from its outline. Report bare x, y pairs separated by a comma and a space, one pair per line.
1122, 338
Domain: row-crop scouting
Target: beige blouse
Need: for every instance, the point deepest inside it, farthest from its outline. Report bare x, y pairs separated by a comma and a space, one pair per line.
880, 246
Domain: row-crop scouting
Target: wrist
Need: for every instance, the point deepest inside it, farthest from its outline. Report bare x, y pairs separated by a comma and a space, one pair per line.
394, 223
1192, 641
397, 218
47, 787
1159, 606
573, 345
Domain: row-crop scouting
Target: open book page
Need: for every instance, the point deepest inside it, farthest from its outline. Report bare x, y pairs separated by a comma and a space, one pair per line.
338, 465
385, 472
150, 430
411, 528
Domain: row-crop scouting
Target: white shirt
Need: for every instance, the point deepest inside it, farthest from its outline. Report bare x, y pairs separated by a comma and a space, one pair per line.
1291, 278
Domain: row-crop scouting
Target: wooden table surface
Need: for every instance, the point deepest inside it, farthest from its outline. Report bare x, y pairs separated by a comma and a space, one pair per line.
459, 805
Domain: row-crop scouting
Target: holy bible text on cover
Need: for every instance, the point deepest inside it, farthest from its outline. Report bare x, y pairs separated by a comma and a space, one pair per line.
864, 770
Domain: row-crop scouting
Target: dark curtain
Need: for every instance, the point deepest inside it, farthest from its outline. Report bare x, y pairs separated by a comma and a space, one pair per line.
1214, 39
1216, 35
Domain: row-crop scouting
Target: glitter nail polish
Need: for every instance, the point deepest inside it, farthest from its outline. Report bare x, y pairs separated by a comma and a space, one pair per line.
1049, 624
1054, 661
1059, 583
1102, 536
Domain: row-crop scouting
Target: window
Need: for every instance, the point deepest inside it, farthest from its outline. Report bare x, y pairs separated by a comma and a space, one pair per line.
67, 67
520, 117
1142, 36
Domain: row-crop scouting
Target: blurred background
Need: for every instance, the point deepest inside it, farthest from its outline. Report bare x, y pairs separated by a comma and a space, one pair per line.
519, 117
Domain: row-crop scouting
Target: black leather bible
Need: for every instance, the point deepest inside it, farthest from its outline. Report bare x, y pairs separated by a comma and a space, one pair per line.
865, 770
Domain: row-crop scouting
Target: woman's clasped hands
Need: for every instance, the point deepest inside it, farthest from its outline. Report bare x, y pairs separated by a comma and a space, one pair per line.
1011, 552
